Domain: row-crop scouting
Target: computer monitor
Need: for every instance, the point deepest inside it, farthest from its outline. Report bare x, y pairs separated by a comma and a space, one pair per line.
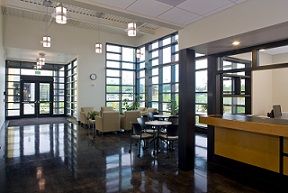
277, 111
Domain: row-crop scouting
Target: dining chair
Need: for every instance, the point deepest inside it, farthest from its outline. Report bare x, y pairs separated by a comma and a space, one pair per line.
139, 135
174, 119
170, 136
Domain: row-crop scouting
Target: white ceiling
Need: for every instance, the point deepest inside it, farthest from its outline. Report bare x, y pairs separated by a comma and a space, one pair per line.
176, 12
173, 14
113, 15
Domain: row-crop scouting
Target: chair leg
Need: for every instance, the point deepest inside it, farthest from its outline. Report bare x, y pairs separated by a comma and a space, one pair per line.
139, 148
130, 145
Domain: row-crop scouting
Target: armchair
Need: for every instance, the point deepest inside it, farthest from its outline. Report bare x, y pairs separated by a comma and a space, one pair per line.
104, 109
108, 122
145, 110
128, 118
84, 115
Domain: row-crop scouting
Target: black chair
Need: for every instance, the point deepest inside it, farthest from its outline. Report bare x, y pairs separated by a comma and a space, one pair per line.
145, 118
147, 129
150, 116
170, 136
139, 135
174, 119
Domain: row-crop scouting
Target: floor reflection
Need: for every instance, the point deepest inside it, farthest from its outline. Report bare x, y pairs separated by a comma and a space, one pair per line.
63, 158
36, 140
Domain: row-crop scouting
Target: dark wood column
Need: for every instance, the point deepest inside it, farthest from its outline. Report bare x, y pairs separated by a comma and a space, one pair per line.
186, 153
214, 100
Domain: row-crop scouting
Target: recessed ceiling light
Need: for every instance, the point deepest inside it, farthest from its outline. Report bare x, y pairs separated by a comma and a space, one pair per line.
262, 50
236, 43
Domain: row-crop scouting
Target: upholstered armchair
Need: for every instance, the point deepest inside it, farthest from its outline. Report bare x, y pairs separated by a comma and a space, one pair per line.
104, 109
84, 114
128, 118
145, 110
108, 122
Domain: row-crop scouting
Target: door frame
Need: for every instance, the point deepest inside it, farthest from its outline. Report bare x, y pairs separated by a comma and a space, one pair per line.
37, 80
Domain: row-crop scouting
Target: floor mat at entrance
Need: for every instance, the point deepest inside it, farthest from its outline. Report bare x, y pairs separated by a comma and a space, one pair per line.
37, 121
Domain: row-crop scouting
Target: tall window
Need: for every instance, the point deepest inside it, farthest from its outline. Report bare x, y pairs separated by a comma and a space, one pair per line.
120, 75
200, 87
71, 88
157, 79
59, 91
162, 71
141, 74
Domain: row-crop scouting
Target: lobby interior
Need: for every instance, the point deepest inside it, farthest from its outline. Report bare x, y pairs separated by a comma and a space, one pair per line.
222, 57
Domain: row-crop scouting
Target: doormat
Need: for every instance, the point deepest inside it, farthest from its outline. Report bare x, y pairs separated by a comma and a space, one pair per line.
37, 121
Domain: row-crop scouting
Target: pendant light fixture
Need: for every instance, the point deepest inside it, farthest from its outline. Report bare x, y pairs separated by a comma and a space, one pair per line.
98, 48
41, 59
46, 40
131, 29
138, 53
61, 14
98, 45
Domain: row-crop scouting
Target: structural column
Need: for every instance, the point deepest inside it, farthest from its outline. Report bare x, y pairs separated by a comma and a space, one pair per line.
186, 153
214, 100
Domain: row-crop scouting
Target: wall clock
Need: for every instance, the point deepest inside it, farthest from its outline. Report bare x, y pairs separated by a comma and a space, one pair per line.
93, 76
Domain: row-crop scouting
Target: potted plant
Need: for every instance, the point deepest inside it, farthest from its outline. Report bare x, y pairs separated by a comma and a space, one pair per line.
173, 107
92, 115
135, 104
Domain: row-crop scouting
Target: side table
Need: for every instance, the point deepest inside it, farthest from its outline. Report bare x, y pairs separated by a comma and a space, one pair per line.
92, 126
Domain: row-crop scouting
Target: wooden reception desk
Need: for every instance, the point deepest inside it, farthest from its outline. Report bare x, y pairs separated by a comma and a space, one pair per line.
257, 141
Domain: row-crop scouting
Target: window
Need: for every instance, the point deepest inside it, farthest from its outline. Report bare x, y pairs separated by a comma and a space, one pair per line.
161, 73
236, 89
201, 96
71, 88
141, 75
120, 75
154, 76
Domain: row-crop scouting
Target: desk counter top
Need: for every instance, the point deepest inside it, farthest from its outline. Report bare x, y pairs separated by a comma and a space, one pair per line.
255, 124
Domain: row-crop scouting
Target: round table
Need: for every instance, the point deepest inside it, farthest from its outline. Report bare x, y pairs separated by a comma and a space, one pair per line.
157, 125
161, 117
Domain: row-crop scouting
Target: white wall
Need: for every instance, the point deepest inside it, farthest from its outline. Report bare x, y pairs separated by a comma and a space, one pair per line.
279, 88
262, 85
2, 73
248, 16
280, 58
26, 34
269, 88
265, 59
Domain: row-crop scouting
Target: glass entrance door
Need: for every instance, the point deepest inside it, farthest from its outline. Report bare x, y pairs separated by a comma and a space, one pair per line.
28, 98
36, 98
44, 98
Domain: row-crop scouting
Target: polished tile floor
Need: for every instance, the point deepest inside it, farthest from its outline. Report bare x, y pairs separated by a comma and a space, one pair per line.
61, 158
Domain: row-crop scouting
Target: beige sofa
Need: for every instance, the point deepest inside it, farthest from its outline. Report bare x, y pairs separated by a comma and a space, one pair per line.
108, 122
84, 114
128, 118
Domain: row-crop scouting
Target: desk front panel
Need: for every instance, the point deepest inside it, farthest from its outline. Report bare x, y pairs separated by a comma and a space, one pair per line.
252, 148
